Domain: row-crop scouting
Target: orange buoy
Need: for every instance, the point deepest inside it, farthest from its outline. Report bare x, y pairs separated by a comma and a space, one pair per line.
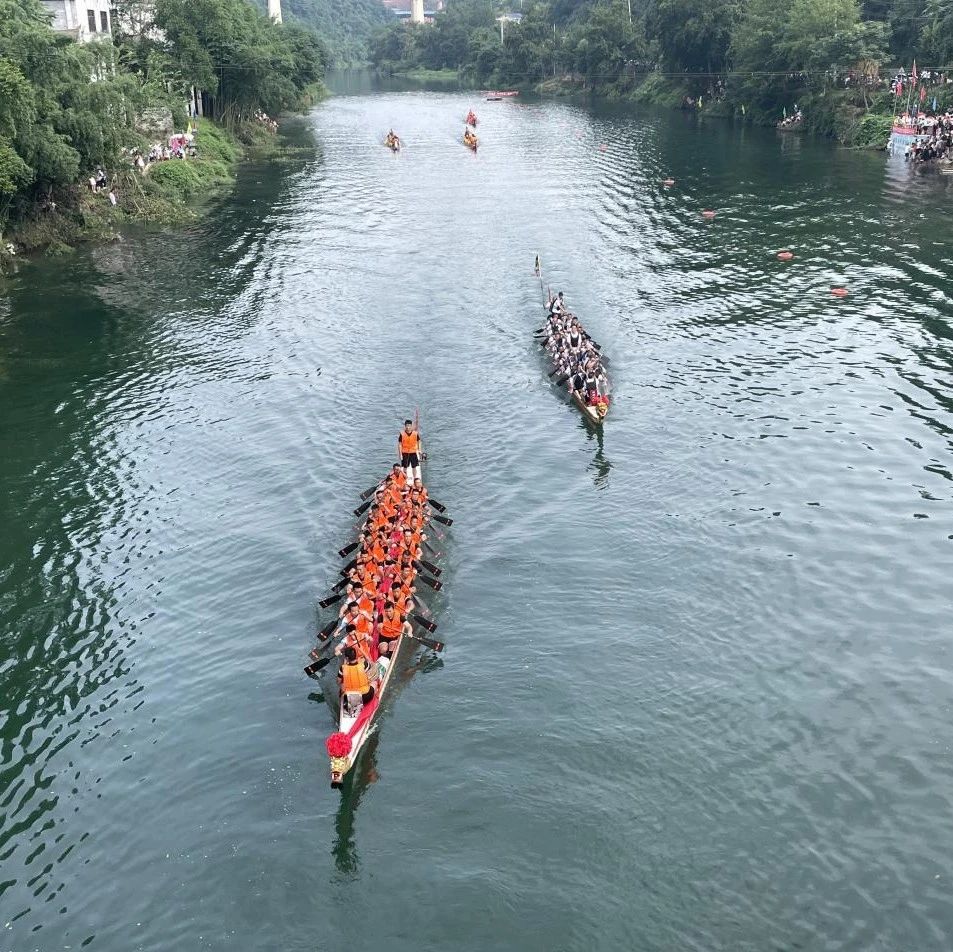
785, 255
668, 183
708, 213
839, 292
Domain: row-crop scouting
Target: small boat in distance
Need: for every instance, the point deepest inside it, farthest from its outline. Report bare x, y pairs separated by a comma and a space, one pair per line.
471, 119
470, 140
392, 141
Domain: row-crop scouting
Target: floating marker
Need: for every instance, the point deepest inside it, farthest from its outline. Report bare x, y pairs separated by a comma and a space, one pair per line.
785, 255
603, 147
839, 292
669, 182
708, 213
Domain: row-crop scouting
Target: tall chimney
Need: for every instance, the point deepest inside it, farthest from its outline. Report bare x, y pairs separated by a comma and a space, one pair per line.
416, 11
274, 10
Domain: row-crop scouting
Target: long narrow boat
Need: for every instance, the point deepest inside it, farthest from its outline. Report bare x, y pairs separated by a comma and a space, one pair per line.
357, 718
470, 140
593, 413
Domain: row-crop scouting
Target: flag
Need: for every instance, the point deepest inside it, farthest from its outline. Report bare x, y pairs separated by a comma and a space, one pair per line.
923, 93
934, 103
784, 111
913, 74
188, 131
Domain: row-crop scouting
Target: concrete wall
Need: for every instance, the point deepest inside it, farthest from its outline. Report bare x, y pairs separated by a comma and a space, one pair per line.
72, 16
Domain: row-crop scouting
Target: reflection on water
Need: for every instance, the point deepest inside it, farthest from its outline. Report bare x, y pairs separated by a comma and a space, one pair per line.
600, 465
352, 790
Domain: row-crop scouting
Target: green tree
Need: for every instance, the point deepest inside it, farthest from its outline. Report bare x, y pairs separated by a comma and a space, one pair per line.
693, 35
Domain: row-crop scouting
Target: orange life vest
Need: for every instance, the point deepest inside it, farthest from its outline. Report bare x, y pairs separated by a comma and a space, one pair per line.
409, 442
354, 677
390, 627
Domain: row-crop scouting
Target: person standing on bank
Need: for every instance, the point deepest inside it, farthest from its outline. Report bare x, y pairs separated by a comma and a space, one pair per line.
410, 450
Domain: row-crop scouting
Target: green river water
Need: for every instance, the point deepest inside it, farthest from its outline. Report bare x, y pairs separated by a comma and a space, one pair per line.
698, 680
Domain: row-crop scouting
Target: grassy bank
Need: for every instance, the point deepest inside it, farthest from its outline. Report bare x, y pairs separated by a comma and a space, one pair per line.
169, 193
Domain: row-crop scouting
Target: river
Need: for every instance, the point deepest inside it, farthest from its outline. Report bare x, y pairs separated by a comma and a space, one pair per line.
697, 687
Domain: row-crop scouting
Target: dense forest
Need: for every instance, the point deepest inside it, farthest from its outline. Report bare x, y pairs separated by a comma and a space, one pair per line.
756, 57
345, 25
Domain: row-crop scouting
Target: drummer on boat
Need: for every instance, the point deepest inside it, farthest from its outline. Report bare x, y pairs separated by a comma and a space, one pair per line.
354, 676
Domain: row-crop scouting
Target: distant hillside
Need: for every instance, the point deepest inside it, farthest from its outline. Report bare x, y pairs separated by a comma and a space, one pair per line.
346, 25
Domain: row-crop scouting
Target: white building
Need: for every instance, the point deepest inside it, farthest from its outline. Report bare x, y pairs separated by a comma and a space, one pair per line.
84, 20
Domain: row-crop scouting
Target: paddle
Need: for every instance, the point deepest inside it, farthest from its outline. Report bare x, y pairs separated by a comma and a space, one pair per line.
337, 586
370, 492
430, 567
347, 568
331, 599
426, 622
444, 520
311, 670
439, 506
436, 586
553, 372
436, 645
325, 632
348, 549
363, 508
562, 380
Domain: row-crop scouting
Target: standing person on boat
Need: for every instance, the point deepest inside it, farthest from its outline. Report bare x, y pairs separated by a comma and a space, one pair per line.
556, 305
410, 450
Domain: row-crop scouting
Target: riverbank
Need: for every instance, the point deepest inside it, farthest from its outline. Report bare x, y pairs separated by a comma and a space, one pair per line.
170, 192
855, 120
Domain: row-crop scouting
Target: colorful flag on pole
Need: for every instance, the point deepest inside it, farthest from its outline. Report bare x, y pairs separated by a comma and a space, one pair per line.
913, 74
923, 93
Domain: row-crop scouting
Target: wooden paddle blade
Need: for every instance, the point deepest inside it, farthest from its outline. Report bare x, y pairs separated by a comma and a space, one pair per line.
436, 645
369, 492
330, 600
362, 508
347, 568
311, 670
436, 586
553, 372
426, 622
325, 632
444, 520
431, 568
562, 380
440, 507
348, 549
337, 586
